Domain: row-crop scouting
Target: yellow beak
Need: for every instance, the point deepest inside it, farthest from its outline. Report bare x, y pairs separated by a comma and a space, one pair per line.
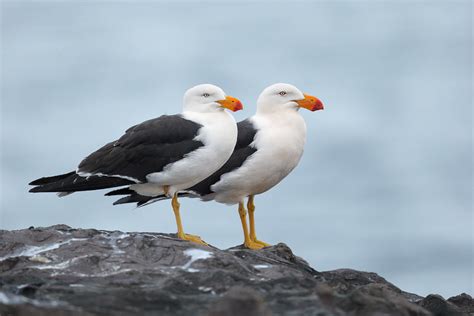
231, 103
310, 103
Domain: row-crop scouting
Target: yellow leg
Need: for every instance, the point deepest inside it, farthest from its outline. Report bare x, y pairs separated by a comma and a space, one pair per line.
253, 235
243, 218
181, 235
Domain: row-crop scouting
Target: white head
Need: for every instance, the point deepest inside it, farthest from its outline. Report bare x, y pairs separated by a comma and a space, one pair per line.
209, 98
285, 97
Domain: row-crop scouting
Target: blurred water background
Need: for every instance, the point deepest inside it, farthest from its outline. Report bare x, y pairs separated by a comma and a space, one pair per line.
385, 182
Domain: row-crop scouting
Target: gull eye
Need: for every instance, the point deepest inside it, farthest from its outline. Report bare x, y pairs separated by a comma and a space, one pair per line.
282, 93
206, 95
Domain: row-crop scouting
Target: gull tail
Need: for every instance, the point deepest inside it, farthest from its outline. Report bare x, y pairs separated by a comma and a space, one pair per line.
140, 200
70, 182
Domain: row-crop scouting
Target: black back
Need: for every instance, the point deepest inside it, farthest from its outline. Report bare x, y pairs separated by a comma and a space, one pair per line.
145, 148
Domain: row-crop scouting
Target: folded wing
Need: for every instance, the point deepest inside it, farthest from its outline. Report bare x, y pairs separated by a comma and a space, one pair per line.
143, 149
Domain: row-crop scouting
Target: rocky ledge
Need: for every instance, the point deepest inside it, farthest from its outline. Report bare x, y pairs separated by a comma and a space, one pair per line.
63, 271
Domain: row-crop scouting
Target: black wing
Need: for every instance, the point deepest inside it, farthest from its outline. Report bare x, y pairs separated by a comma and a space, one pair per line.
145, 148
242, 151
72, 182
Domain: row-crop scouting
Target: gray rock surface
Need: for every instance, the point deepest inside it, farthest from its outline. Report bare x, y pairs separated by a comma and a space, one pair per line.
63, 271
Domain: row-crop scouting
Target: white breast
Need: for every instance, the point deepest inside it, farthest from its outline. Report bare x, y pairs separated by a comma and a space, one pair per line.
218, 134
280, 142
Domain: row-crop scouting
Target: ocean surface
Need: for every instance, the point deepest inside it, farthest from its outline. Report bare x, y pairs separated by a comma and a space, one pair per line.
385, 184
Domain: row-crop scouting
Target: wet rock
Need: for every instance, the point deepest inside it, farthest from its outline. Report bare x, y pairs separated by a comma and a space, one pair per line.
63, 271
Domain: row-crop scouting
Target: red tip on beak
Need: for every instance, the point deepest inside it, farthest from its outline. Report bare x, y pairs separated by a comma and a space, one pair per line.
318, 105
238, 106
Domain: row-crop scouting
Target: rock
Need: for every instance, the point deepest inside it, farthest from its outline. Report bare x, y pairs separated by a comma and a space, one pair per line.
464, 302
63, 271
438, 306
240, 301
